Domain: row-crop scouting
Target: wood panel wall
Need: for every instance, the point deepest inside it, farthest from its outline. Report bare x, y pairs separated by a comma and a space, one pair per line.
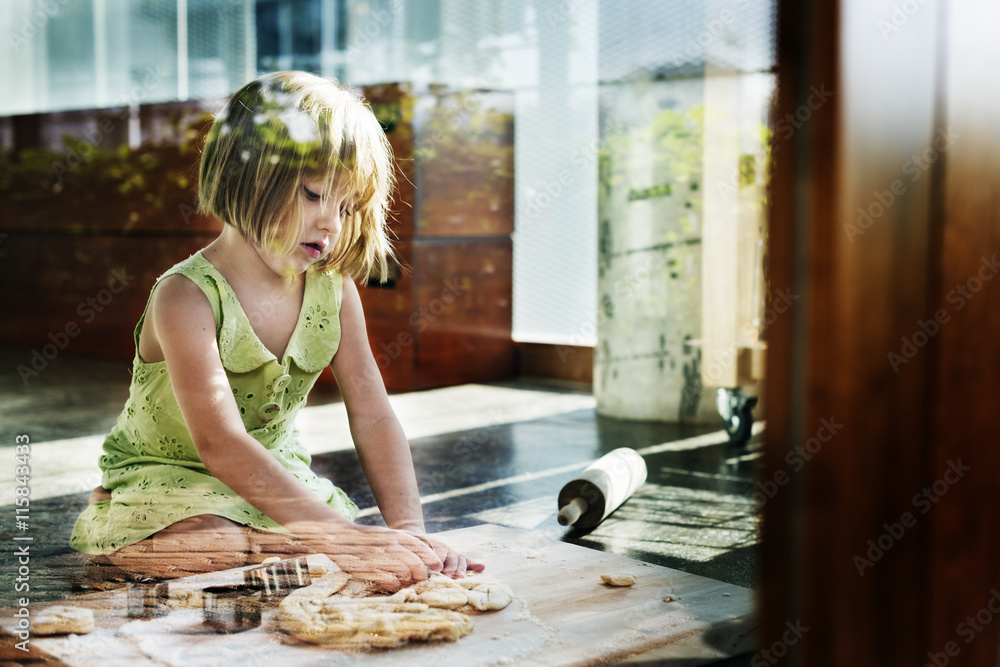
882, 549
87, 226
446, 318
74, 216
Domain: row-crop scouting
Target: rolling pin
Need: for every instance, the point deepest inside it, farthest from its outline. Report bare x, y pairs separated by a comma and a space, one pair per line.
601, 488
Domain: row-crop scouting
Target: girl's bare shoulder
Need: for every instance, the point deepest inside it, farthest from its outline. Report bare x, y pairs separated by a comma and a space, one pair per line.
177, 294
177, 309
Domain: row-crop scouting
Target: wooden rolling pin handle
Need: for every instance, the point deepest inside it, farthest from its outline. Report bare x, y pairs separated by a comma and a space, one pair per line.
569, 514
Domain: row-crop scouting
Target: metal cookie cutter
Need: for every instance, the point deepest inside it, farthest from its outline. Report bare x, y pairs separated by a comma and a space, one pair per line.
231, 608
148, 598
276, 580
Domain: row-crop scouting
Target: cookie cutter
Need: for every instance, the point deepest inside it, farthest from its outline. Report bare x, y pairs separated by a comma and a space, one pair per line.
276, 580
229, 609
148, 598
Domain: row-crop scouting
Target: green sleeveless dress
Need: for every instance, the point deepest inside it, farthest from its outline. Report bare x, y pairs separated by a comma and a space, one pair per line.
150, 463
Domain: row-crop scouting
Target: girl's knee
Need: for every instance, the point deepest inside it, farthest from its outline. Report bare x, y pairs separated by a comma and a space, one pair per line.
203, 543
98, 494
204, 532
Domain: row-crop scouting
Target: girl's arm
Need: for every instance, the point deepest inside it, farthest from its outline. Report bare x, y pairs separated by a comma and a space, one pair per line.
182, 324
382, 446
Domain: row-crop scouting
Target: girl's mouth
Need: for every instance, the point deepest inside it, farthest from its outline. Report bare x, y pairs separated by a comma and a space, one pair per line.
313, 249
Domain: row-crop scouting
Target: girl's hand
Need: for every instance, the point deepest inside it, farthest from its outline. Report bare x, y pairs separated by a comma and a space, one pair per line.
389, 559
455, 563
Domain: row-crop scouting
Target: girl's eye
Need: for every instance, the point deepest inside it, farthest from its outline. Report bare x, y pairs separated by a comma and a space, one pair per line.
310, 195
345, 211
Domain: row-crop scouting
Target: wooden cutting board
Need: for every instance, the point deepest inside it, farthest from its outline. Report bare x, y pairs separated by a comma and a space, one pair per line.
562, 615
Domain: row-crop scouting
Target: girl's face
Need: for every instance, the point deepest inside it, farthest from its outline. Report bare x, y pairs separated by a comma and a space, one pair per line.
319, 226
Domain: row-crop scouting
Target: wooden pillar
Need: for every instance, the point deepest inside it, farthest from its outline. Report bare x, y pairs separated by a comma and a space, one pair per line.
880, 538
964, 548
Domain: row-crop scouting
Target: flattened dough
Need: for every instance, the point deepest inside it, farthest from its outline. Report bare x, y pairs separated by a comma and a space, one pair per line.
61, 620
315, 614
330, 612
368, 623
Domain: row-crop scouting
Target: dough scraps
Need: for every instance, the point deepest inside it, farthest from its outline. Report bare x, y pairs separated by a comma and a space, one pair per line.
61, 620
470, 594
618, 579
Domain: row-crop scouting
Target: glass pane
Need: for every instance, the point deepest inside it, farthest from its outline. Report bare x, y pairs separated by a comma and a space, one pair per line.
267, 30
70, 56
306, 28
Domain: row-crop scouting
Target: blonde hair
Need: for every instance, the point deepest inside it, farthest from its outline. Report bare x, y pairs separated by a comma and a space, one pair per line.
285, 126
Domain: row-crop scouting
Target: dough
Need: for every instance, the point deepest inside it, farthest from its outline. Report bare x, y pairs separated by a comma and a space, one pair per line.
487, 595
366, 622
319, 564
63, 620
618, 579
467, 595
322, 587
332, 611
315, 614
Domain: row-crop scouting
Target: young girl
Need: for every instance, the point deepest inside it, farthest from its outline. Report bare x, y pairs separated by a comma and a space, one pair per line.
204, 470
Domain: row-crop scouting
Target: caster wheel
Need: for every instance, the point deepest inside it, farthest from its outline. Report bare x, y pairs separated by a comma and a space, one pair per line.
736, 410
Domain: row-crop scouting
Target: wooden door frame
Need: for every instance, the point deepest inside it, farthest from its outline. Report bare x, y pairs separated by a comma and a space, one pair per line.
881, 540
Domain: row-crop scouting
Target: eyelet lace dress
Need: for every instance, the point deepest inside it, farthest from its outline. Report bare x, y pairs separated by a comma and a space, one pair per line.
150, 464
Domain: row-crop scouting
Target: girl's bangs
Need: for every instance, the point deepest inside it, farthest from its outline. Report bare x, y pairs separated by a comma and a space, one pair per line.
338, 165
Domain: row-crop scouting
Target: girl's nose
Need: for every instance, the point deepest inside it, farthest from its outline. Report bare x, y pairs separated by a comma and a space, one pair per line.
331, 222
